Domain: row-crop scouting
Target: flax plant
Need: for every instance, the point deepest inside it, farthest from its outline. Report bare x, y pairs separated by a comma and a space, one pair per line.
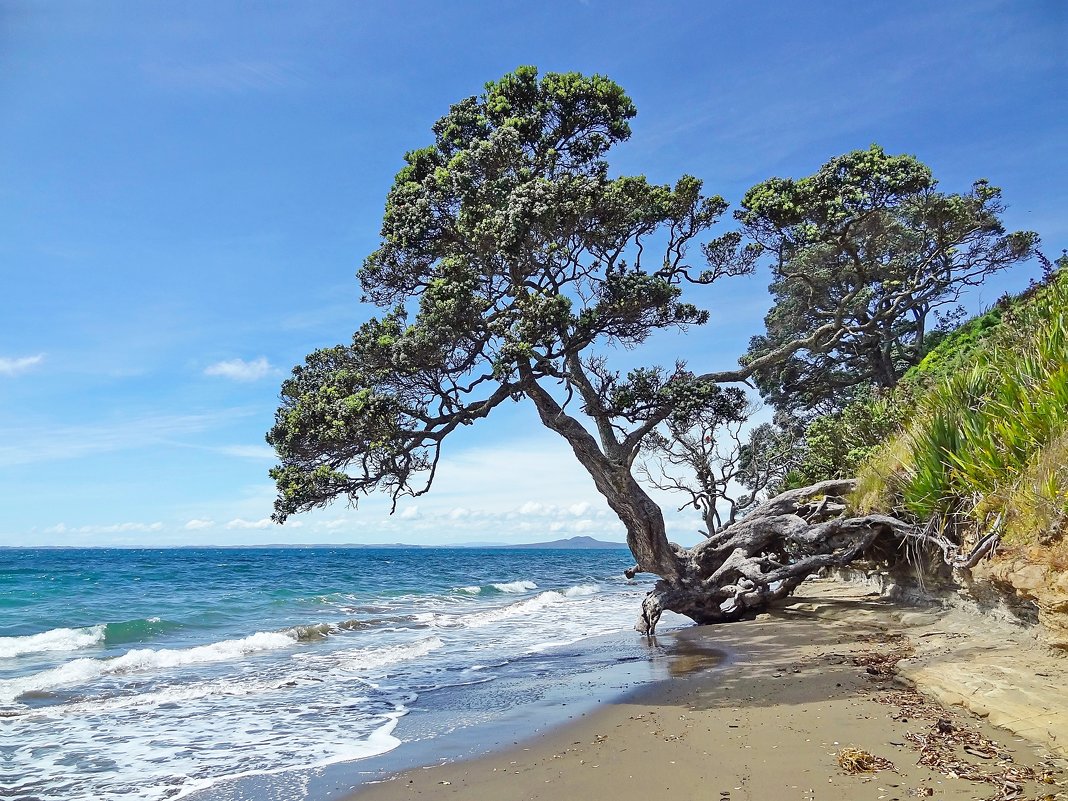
986, 448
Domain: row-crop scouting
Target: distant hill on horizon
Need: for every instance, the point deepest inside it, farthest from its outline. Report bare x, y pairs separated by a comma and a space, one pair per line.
570, 543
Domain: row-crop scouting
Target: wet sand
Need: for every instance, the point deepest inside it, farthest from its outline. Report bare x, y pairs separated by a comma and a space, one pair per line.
764, 710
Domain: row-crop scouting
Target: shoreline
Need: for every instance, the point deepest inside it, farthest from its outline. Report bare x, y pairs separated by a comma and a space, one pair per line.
773, 712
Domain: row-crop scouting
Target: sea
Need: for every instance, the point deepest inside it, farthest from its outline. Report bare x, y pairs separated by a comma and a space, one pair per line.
232, 674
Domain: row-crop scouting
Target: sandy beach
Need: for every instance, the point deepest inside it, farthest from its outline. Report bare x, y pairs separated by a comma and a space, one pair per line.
796, 705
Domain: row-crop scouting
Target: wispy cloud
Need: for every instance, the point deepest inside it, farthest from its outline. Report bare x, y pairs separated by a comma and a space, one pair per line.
261, 453
241, 523
114, 528
11, 366
234, 76
198, 525
46, 443
241, 370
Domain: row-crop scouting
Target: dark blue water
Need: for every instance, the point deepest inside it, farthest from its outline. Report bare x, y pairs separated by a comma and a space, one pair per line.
150, 674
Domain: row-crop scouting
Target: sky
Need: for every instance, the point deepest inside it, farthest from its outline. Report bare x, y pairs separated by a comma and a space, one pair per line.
187, 190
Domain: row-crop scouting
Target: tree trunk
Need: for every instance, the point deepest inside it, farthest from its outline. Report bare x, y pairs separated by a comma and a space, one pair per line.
743, 567
641, 516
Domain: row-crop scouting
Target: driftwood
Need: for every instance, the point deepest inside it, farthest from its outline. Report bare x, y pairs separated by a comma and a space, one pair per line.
762, 558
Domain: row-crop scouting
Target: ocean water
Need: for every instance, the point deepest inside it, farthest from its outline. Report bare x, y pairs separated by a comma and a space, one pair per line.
160, 674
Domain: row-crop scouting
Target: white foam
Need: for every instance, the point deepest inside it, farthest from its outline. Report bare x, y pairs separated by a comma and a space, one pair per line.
535, 604
378, 742
472, 590
515, 586
582, 589
80, 671
372, 659
53, 640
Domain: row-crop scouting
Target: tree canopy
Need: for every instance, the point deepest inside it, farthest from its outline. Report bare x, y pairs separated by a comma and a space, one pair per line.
508, 258
867, 241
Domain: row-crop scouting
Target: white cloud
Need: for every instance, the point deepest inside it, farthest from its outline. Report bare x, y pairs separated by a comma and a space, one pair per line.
30, 444
13, 366
197, 525
330, 525
239, 522
241, 370
114, 528
506, 491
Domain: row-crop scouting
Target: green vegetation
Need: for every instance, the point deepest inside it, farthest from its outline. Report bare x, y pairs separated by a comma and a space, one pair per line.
836, 445
844, 241
986, 447
954, 348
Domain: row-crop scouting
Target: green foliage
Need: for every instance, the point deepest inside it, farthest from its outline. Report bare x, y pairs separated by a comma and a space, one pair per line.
508, 257
986, 446
955, 348
866, 242
835, 445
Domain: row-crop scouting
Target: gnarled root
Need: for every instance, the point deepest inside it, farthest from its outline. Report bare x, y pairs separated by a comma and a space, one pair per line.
746, 567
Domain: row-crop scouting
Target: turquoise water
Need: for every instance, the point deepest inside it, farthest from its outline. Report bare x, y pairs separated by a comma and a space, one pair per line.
153, 674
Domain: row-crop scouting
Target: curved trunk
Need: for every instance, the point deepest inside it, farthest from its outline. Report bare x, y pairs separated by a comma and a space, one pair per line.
640, 514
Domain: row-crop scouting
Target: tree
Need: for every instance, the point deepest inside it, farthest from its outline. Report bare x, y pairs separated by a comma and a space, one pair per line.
847, 242
709, 460
510, 264
515, 256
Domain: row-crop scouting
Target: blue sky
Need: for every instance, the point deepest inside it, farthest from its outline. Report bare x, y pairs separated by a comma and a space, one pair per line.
187, 190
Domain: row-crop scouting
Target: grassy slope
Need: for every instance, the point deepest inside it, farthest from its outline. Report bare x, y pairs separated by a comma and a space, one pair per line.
987, 445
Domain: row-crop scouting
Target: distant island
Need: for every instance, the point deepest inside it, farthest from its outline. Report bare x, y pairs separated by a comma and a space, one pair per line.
570, 543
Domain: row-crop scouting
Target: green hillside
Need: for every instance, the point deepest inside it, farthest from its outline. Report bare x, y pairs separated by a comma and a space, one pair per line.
981, 435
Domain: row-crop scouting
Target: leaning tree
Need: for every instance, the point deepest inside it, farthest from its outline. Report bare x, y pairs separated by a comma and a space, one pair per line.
511, 263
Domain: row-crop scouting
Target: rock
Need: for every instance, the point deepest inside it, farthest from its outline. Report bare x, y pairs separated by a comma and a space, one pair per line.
1029, 579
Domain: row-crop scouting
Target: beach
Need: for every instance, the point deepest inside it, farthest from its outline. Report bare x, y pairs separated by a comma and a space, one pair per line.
767, 709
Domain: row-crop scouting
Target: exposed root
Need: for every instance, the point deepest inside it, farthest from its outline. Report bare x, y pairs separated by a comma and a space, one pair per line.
749, 565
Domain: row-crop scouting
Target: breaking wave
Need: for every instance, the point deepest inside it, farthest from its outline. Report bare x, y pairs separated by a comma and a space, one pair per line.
515, 586
529, 606
80, 671
582, 590
511, 587
54, 640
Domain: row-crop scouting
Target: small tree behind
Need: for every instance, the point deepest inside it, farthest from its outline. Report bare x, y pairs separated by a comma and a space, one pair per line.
717, 467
